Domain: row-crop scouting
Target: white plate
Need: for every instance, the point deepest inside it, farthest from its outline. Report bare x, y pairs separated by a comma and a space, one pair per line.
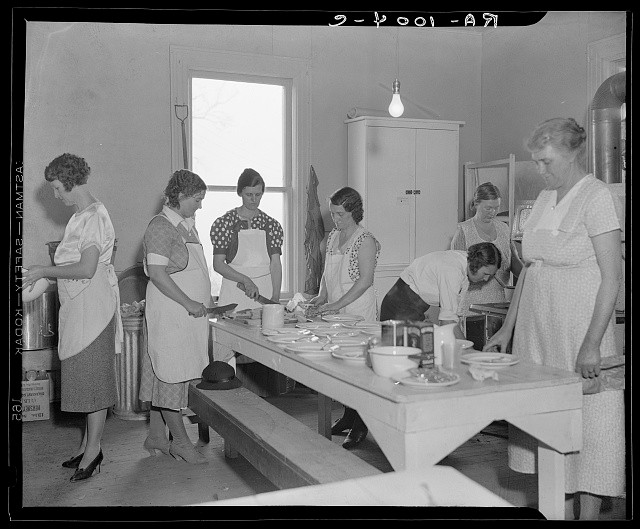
312, 326
348, 340
363, 325
414, 382
285, 338
465, 344
284, 330
340, 318
307, 349
349, 355
338, 333
488, 359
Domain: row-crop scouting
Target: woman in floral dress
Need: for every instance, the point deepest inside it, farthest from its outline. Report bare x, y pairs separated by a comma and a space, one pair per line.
561, 314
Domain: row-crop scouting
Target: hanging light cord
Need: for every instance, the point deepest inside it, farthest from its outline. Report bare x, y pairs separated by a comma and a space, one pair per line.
397, 53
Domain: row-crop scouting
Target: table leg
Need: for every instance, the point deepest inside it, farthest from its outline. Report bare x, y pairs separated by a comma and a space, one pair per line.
550, 482
324, 415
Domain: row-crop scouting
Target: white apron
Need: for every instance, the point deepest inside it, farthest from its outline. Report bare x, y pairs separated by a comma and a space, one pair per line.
87, 306
336, 276
253, 261
178, 342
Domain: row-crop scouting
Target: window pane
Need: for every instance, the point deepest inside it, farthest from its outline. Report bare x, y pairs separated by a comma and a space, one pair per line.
236, 125
216, 204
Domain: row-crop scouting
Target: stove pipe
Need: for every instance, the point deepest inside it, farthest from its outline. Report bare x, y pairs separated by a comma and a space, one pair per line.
605, 155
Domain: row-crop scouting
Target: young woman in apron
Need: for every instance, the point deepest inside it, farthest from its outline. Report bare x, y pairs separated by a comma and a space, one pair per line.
247, 245
89, 327
178, 294
347, 282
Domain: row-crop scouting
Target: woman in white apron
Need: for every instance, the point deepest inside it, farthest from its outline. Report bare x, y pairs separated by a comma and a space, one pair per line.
178, 294
247, 244
89, 328
347, 282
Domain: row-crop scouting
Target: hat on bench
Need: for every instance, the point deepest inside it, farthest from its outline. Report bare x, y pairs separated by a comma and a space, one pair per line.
219, 375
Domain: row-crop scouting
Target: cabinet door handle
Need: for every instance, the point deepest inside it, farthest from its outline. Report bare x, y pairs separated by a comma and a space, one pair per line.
416, 191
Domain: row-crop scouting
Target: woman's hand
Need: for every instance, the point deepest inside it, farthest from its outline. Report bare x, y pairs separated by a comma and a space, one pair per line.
318, 300
29, 278
327, 307
588, 361
195, 309
249, 288
500, 341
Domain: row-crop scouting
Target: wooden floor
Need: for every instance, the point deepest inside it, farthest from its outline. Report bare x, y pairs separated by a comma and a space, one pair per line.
131, 477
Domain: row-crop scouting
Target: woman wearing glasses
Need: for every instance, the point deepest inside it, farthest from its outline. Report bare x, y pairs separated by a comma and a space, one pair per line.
483, 227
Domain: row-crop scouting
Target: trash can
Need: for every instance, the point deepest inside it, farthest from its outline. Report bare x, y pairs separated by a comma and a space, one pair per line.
128, 370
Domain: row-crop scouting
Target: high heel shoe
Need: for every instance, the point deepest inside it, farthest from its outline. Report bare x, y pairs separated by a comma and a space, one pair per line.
356, 435
187, 452
84, 473
153, 445
73, 462
345, 422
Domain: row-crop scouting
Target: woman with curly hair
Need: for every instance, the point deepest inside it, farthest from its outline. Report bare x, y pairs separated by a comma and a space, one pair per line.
178, 294
89, 328
347, 283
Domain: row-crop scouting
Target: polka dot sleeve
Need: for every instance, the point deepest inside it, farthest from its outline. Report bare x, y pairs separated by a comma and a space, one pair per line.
221, 232
275, 236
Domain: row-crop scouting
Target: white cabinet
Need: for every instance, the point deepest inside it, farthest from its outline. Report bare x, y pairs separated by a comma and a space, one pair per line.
407, 173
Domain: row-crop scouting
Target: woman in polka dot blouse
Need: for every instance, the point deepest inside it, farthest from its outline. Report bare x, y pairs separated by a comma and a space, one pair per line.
247, 244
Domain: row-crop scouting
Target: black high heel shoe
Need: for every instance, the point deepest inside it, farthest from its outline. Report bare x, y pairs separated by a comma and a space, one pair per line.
84, 473
345, 422
74, 462
356, 435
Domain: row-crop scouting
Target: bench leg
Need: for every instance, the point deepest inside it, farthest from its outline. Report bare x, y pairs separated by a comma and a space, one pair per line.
324, 415
229, 450
203, 432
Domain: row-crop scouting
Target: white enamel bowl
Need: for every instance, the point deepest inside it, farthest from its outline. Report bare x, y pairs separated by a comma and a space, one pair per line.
387, 360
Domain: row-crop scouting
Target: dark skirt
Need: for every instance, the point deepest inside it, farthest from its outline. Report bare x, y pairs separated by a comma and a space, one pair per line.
402, 303
88, 379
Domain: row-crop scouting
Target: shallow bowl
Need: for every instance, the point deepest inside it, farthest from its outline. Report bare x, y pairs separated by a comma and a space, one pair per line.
388, 360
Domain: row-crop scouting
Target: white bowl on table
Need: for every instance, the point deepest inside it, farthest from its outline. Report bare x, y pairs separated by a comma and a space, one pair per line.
387, 360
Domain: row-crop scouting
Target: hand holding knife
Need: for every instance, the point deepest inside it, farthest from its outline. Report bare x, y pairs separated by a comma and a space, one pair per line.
259, 298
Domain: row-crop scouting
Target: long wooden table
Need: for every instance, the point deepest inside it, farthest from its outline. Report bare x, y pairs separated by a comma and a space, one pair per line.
416, 428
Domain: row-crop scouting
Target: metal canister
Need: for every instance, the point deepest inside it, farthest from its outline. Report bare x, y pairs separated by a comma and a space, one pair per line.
409, 334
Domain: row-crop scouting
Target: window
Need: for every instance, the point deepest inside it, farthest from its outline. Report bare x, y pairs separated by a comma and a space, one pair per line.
244, 111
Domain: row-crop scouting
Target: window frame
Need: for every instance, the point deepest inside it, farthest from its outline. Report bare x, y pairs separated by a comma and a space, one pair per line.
187, 62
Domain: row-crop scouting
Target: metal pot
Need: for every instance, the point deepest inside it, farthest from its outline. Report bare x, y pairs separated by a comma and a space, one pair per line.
40, 321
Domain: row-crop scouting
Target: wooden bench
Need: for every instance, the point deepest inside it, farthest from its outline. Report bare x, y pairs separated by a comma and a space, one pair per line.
287, 452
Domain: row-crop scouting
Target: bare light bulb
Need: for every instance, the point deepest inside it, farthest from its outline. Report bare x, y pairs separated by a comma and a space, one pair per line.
396, 108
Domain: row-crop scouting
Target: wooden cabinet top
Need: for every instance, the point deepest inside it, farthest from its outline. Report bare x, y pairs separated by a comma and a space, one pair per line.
408, 122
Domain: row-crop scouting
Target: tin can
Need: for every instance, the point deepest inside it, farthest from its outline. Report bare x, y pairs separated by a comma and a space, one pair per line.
409, 334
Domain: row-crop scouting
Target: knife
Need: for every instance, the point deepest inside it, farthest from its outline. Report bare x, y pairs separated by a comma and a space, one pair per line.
214, 311
260, 299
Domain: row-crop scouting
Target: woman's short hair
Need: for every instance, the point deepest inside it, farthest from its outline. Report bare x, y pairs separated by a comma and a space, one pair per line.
562, 134
250, 178
69, 169
486, 191
350, 200
185, 182
483, 254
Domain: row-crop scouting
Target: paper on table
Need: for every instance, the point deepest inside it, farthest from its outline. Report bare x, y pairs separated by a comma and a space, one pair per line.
481, 373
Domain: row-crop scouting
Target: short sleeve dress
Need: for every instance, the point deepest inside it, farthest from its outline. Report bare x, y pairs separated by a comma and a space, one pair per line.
556, 306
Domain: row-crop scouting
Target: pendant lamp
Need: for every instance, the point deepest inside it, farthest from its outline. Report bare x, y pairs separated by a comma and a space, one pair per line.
396, 108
